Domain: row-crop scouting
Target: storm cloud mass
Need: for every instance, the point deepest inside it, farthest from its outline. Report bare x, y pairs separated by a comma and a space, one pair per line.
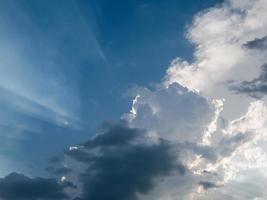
122, 163
19, 187
119, 164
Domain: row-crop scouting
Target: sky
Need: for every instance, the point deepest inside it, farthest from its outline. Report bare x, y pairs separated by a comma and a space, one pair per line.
133, 100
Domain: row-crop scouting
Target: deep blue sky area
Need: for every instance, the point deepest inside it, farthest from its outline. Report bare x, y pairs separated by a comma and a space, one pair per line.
65, 65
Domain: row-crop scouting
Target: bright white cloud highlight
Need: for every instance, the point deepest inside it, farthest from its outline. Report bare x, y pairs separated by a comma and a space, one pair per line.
220, 34
186, 113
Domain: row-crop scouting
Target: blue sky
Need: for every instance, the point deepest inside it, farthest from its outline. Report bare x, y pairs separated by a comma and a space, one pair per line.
82, 57
89, 89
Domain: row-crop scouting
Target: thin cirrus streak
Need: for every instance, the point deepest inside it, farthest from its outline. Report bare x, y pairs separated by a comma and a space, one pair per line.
42, 74
39, 79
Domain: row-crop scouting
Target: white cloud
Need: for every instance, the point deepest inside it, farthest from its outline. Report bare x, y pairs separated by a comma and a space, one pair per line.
219, 35
172, 113
229, 156
195, 116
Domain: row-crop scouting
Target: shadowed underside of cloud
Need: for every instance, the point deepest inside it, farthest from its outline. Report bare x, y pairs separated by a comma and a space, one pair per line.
256, 88
120, 163
19, 187
123, 163
258, 43
207, 185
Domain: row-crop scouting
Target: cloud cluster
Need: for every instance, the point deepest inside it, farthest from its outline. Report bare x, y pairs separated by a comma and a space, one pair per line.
224, 37
19, 187
173, 113
131, 163
122, 163
215, 156
177, 145
230, 38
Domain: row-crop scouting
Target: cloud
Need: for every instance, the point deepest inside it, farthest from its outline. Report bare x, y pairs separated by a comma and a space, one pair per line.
242, 159
207, 185
19, 187
179, 125
123, 162
228, 144
130, 162
256, 88
219, 34
58, 171
175, 143
174, 113
258, 43
230, 41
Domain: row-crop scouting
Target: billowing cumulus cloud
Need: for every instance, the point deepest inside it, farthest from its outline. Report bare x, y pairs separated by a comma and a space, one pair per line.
132, 163
173, 113
239, 170
219, 35
229, 39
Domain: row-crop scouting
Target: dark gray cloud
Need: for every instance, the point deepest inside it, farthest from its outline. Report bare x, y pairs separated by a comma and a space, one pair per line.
256, 88
19, 187
208, 185
118, 164
209, 172
115, 135
258, 43
122, 163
